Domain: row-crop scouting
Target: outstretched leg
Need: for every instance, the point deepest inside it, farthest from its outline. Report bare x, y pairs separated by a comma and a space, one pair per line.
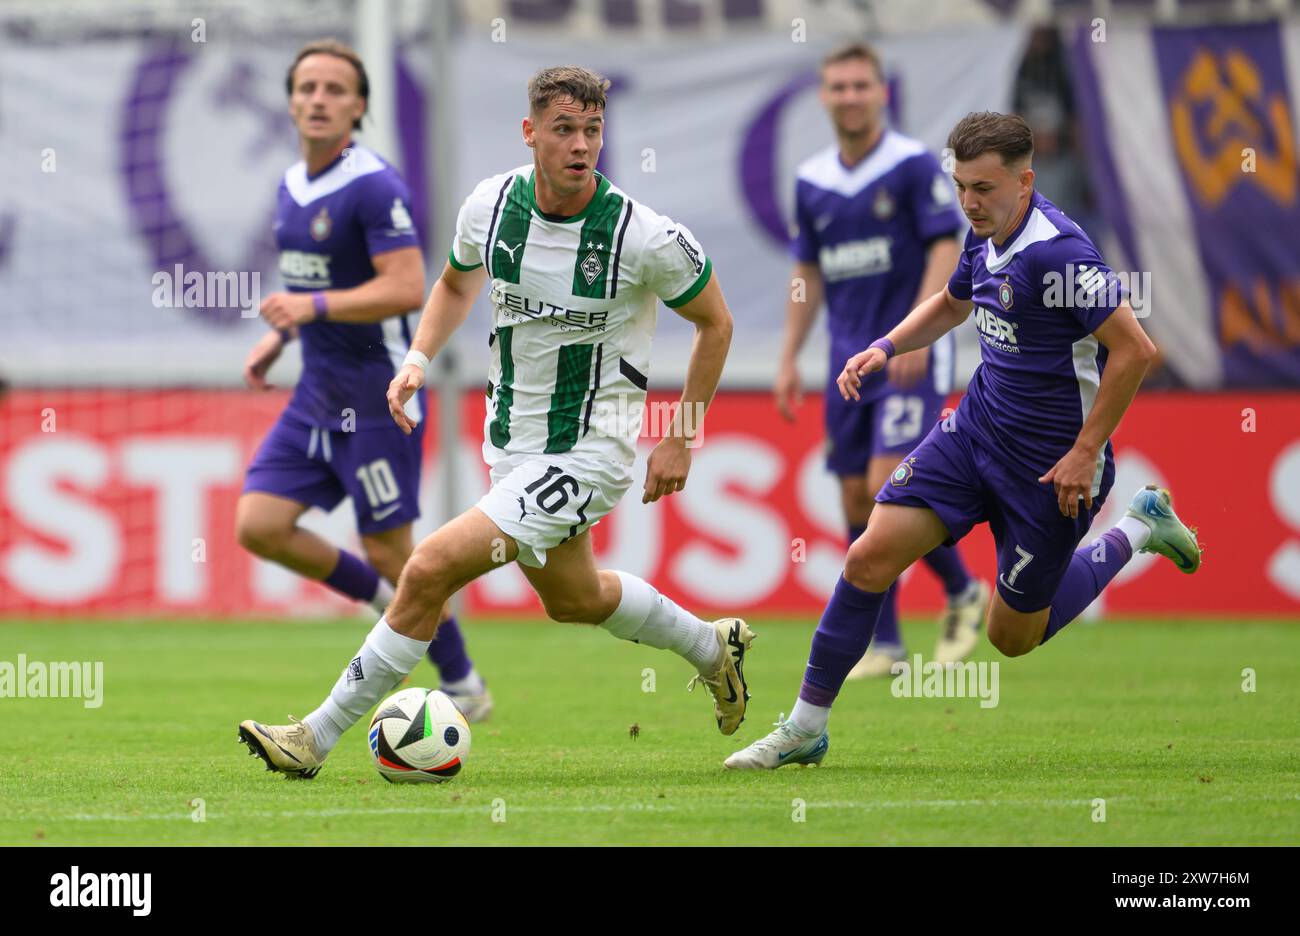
388, 552
574, 590
896, 537
443, 563
1149, 525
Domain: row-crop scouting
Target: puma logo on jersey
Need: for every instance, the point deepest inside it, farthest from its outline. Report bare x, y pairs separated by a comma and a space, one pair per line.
994, 327
508, 249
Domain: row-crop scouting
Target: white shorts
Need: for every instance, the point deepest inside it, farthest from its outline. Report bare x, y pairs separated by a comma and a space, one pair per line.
542, 500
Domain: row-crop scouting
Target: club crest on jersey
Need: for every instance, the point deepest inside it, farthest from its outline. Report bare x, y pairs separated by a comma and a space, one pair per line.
592, 267
883, 204
903, 473
1005, 295
321, 225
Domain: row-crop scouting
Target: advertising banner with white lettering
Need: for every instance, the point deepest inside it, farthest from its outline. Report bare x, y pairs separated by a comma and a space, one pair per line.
122, 503
136, 244
1192, 137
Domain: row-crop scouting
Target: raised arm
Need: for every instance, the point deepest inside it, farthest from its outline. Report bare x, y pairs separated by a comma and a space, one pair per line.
396, 288
924, 325
449, 303
940, 258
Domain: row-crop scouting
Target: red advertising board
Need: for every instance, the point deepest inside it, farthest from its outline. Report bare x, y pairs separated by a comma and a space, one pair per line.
122, 502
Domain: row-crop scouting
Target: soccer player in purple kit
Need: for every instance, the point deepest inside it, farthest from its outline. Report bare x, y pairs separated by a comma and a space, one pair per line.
1062, 358
351, 261
877, 233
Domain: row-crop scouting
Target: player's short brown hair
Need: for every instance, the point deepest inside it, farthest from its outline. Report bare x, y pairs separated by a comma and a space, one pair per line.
582, 85
338, 50
855, 50
986, 131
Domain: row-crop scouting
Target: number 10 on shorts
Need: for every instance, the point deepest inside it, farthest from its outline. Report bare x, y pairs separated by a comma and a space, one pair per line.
379, 483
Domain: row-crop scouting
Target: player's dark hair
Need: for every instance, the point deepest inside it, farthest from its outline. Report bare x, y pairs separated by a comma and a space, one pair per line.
582, 85
338, 50
855, 50
1005, 134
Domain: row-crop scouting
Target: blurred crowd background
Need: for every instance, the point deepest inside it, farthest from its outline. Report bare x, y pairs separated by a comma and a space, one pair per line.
147, 139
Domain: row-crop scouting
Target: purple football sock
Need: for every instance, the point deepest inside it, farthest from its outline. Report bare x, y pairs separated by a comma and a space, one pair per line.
1091, 569
886, 631
886, 636
353, 578
447, 652
947, 563
842, 637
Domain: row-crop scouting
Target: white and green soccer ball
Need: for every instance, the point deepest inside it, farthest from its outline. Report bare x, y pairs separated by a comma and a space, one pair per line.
418, 736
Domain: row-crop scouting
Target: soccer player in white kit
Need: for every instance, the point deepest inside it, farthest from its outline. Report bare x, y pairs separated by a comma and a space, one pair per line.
575, 268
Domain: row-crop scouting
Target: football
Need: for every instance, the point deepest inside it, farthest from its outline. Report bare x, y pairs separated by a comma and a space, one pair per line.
418, 736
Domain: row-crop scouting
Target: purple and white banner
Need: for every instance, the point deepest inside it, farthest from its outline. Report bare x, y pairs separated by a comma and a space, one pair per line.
1192, 138
133, 193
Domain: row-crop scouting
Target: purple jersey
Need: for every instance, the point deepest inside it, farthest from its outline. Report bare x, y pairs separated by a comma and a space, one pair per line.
328, 227
868, 229
1038, 300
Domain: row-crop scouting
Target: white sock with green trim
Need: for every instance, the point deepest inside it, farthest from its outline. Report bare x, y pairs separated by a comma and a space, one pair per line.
383, 661
648, 617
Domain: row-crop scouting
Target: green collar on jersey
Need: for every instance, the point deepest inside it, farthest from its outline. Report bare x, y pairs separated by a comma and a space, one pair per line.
602, 186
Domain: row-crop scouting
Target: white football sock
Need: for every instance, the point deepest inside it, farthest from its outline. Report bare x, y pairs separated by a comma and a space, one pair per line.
471, 684
384, 595
1137, 532
808, 718
966, 595
383, 661
647, 617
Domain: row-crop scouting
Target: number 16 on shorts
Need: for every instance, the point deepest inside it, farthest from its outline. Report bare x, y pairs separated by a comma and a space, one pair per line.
543, 501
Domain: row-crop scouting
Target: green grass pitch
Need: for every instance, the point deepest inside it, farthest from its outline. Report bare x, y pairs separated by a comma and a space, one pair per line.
1149, 717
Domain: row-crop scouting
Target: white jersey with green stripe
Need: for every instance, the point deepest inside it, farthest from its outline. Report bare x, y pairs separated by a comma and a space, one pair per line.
573, 308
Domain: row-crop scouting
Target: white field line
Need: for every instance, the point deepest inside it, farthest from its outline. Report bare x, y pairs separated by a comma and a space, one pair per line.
653, 808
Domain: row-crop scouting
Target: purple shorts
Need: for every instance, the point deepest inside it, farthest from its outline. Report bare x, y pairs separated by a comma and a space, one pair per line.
891, 424
378, 468
957, 477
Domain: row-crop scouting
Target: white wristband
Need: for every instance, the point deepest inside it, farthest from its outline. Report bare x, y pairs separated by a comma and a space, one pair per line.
418, 359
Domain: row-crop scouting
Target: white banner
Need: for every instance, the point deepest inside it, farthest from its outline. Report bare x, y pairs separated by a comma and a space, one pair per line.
165, 165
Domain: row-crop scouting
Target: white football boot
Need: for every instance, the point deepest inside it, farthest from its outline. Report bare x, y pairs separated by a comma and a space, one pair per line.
1170, 537
961, 626
876, 663
786, 745
290, 749
476, 707
730, 691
